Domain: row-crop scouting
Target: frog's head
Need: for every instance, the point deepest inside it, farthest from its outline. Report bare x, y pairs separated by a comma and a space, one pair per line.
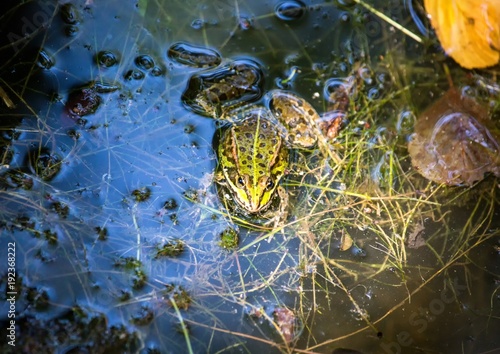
253, 193
253, 188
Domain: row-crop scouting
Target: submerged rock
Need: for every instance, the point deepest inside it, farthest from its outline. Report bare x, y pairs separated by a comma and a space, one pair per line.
453, 142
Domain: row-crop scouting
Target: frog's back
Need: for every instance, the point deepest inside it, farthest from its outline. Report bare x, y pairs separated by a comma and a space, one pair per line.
252, 157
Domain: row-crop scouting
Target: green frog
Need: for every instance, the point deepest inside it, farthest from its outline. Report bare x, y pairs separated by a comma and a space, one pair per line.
252, 159
253, 150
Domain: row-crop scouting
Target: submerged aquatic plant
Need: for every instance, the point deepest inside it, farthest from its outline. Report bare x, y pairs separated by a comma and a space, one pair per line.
229, 238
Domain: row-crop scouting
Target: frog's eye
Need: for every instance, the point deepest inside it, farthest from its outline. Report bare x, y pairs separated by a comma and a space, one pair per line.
240, 182
270, 184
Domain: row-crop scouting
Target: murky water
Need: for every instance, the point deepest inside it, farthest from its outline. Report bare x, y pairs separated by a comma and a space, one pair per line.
103, 168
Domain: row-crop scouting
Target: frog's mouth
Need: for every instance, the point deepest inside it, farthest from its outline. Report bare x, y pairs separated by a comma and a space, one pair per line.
254, 206
257, 205
252, 197
257, 195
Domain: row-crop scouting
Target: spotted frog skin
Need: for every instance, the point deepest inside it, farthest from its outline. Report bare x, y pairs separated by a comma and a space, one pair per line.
252, 159
253, 150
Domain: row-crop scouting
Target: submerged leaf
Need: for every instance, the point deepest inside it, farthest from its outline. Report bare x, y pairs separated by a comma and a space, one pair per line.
469, 30
452, 143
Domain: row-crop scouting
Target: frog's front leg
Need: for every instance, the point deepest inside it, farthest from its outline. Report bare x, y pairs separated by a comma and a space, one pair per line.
279, 216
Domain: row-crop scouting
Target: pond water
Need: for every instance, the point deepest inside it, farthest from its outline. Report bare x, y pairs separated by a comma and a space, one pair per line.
111, 225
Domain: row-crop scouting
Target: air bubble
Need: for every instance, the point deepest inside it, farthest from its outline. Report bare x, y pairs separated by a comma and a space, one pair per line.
345, 3
373, 93
134, 75
245, 23
156, 71
197, 24
45, 61
106, 59
290, 10
144, 62
69, 14
345, 17
332, 86
406, 122
366, 75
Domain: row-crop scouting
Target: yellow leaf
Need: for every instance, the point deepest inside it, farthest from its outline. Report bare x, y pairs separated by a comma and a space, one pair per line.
469, 30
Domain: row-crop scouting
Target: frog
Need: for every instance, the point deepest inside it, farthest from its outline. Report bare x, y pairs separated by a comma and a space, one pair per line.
256, 139
252, 159
253, 151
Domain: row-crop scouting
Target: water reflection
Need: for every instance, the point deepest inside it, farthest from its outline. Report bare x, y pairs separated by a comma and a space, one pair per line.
126, 237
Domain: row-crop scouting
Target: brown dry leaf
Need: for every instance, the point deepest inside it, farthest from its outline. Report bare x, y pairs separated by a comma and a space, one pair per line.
453, 142
469, 30
345, 241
